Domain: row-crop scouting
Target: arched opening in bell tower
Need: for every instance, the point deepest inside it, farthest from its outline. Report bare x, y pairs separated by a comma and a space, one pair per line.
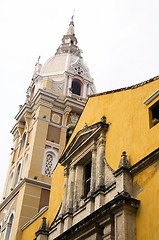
76, 87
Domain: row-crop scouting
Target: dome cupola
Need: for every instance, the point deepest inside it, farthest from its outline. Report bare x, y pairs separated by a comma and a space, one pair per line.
65, 73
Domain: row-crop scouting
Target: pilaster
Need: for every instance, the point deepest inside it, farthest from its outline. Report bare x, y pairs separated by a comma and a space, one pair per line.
70, 189
64, 202
93, 169
78, 191
125, 227
100, 161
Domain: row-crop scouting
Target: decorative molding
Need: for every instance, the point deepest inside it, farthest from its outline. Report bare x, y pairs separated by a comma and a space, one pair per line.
57, 110
97, 216
40, 103
54, 125
52, 144
145, 162
6, 212
152, 97
74, 117
28, 116
56, 118
19, 186
43, 119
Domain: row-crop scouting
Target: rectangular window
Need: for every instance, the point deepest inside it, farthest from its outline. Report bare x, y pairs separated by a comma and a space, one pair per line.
87, 178
154, 114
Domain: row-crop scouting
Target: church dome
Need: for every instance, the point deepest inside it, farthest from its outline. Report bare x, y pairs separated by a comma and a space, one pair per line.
65, 73
60, 63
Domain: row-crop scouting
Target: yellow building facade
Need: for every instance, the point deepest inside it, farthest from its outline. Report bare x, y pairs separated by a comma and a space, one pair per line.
55, 99
105, 185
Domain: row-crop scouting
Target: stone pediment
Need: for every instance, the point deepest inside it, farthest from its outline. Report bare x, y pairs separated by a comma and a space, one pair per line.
82, 138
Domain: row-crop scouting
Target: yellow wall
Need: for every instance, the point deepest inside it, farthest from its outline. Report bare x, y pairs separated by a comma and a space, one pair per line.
148, 212
128, 121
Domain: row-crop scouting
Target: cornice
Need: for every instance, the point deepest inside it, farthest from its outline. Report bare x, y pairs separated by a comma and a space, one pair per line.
106, 210
25, 108
54, 74
52, 144
42, 92
145, 162
43, 104
19, 186
57, 110
56, 100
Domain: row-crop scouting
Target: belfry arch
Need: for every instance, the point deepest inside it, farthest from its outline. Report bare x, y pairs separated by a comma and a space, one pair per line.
76, 87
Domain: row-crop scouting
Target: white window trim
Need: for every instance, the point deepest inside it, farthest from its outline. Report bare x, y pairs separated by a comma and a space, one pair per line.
24, 166
19, 163
12, 212
53, 152
10, 180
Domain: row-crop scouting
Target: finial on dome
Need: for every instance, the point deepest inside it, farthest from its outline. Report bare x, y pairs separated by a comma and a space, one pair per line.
38, 61
72, 22
71, 27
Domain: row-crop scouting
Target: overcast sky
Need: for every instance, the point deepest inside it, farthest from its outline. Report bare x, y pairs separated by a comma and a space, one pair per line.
119, 39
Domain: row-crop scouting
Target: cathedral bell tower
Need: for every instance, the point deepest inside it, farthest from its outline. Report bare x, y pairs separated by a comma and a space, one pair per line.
55, 99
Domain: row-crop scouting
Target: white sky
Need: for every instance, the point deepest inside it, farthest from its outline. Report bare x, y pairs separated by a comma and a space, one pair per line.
119, 39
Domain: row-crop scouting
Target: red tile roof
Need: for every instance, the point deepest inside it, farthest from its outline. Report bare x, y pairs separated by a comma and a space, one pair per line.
126, 88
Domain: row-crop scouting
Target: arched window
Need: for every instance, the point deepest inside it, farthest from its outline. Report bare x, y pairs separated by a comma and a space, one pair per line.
49, 162
23, 140
9, 183
76, 87
24, 165
9, 227
17, 175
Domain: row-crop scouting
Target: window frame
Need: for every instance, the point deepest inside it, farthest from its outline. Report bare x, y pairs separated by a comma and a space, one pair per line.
152, 114
76, 81
87, 177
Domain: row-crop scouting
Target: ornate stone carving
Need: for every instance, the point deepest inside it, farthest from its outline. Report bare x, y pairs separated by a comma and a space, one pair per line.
74, 118
56, 118
78, 70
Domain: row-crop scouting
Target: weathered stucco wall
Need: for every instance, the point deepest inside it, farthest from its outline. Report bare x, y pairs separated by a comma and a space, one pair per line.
128, 119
